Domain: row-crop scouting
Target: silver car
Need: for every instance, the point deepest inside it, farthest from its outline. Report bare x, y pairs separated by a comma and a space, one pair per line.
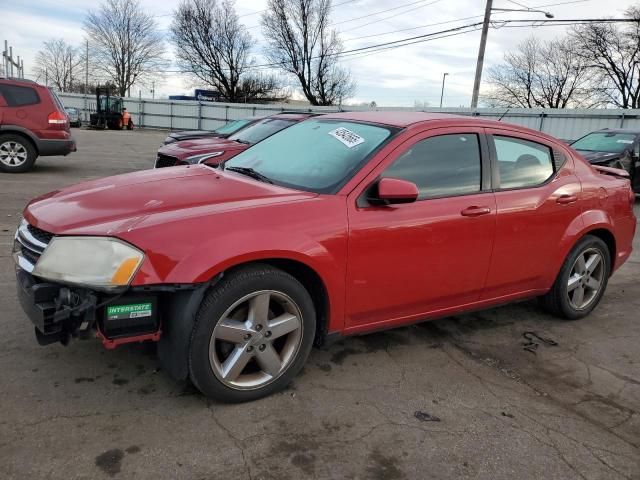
74, 117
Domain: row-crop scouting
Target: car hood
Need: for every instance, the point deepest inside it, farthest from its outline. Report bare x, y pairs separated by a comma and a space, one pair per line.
599, 157
192, 134
118, 204
187, 148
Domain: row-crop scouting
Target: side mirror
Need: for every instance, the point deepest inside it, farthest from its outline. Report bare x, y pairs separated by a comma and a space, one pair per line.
394, 190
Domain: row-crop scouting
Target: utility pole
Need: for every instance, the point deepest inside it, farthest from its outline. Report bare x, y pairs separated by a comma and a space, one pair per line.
444, 75
480, 63
153, 90
483, 42
9, 62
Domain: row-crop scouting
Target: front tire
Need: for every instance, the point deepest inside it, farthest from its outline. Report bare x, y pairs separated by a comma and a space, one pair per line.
253, 334
582, 280
17, 155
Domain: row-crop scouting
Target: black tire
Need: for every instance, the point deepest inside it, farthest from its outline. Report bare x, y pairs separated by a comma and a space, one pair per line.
556, 301
130, 125
219, 299
28, 147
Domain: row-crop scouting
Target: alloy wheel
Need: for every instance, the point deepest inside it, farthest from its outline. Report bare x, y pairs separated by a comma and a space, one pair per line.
255, 340
585, 279
13, 154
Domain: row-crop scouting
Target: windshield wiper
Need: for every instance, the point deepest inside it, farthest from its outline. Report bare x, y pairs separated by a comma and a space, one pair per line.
245, 142
250, 172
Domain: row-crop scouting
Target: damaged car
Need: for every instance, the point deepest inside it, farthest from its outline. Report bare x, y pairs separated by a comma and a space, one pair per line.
341, 224
617, 148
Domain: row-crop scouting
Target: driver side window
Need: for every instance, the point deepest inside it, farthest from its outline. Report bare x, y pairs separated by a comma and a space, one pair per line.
441, 166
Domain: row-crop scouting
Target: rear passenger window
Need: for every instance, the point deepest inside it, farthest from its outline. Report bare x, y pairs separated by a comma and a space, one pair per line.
522, 163
18, 96
440, 166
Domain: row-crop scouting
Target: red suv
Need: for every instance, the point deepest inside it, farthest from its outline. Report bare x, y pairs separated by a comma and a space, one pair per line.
217, 150
339, 225
33, 122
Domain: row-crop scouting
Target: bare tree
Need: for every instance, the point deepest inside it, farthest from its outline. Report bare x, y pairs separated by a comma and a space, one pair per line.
215, 48
613, 55
126, 46
301, 43
59, 64
542, 74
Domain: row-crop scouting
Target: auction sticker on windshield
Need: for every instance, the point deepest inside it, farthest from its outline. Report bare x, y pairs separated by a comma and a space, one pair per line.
346, 136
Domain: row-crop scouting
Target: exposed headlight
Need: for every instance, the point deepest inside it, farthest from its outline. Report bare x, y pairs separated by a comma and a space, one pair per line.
201, 158
91, 261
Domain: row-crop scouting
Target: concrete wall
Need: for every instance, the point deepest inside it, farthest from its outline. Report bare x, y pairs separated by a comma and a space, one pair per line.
192, 115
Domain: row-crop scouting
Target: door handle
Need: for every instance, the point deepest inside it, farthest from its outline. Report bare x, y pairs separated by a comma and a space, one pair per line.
475, 211
566, 199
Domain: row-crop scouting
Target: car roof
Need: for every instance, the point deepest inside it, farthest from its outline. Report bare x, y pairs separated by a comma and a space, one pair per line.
19, 80
294, 115
393, 118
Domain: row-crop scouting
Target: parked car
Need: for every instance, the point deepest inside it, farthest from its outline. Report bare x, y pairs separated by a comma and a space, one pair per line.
339, 225
218, 150
618, 148
33, 122
224, 131
74, 117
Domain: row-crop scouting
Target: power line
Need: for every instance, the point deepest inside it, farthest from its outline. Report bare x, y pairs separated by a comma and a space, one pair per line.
413, 28
519, 4
364, 51
452, 21
385, 11
389, 17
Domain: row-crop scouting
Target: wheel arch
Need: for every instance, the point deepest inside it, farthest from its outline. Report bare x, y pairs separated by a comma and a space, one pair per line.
10, 130
608, 238
310, 279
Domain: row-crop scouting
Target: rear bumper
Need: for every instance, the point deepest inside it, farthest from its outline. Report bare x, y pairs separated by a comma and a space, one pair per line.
48, 148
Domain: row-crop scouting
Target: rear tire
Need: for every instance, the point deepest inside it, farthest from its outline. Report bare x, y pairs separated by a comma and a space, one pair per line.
253, 333
582, 280
130, 125
17, 154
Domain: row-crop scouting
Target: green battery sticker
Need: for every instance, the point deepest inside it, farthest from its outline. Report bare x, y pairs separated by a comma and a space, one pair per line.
136, 310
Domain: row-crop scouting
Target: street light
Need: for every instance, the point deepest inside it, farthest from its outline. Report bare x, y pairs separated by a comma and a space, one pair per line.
546, 14
483, 43
444, 76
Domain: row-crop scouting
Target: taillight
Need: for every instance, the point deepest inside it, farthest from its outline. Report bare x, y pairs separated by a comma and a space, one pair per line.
57, 118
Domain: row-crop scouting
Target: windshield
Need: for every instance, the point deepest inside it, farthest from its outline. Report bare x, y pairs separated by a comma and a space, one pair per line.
232, 126
261, 130
610, 142
339, 150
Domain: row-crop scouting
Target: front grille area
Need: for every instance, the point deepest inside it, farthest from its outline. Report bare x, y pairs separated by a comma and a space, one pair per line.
163, 160
44, 237
30, 243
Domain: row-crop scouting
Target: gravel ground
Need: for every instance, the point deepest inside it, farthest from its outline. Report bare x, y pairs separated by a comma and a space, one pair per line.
459, 397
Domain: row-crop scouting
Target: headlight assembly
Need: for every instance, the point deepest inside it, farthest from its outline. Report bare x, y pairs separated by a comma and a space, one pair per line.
201, 158
91, 261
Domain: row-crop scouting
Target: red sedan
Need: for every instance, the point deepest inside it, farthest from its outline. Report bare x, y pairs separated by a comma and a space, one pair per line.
338, 225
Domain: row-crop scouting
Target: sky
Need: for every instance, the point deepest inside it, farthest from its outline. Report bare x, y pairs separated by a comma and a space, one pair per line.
394, 77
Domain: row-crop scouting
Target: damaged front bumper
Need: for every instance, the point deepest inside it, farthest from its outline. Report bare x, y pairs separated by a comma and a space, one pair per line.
61, 312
